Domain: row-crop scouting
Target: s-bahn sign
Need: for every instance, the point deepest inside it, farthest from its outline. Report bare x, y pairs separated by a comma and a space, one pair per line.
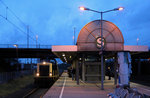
100, 42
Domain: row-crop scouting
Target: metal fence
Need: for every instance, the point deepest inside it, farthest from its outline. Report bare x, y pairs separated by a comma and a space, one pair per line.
7, 76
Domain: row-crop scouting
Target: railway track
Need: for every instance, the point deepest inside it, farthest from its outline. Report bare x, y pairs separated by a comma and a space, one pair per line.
36, 93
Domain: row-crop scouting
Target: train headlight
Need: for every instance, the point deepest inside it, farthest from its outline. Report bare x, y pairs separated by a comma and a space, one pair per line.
44, 62
50, 74
37, 74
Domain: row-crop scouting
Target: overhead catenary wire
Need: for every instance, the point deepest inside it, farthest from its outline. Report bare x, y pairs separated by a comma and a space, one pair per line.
12, 13
148, 42
15, 15
6, 12
25, 25
16, 27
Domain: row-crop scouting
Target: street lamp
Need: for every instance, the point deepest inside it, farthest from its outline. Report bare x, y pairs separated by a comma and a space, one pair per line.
101, 39
15, 45
17, 56
36, 40
137, 41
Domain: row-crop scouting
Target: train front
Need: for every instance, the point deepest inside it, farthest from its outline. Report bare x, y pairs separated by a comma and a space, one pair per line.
45, 74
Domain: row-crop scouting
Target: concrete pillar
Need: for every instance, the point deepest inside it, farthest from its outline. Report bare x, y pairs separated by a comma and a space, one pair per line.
77, 71
83, 68
123, 68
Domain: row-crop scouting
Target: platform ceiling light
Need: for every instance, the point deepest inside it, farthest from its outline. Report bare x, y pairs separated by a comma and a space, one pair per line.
70, 57
63, 54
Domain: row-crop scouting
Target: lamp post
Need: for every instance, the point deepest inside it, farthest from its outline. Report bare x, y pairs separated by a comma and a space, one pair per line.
137, 41
101, 39
36, 40
17, 56
74, 36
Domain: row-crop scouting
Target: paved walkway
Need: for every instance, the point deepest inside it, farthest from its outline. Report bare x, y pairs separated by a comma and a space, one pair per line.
64, 87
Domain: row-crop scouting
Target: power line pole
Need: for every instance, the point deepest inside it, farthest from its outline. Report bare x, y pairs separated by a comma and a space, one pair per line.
74, 35
27, 40
27, 36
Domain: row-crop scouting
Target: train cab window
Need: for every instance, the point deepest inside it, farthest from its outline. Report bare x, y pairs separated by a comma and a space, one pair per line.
44, 70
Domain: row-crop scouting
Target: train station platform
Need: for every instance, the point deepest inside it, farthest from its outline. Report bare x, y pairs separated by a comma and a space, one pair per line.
64, 87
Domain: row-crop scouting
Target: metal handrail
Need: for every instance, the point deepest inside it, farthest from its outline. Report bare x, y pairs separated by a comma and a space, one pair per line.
25, 46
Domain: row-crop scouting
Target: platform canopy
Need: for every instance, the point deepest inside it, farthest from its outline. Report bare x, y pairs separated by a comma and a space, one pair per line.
87, 41
65, 53
113, 38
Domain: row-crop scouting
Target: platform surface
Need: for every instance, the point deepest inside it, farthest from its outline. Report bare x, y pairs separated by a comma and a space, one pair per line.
64, 87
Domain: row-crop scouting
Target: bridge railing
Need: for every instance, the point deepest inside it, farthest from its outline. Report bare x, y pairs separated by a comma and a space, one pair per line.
25, 46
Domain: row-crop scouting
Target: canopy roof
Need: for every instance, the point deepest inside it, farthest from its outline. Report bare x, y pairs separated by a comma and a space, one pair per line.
90, 32
87, 42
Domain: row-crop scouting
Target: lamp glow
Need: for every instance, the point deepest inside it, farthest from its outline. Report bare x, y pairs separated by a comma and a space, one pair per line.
82, 8
44, 62
37, 74
50, 74
70, 57
120, 8
63, 55
15, 45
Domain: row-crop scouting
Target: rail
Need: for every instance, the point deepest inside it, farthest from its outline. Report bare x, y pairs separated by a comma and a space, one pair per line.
25, 46
36, 93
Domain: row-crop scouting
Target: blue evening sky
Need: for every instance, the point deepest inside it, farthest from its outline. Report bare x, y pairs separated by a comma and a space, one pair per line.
53, 20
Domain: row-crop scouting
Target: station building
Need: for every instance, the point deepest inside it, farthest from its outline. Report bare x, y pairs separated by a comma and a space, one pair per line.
85, 56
